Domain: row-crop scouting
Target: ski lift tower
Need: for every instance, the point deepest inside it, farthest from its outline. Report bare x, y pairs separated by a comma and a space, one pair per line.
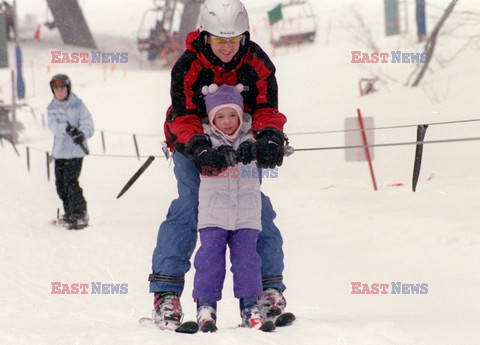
165, 26
190, 15
71, 23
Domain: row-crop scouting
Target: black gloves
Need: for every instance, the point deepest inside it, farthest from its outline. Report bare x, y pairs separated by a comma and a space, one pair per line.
209, 161
269, 147
229, 154
71, 130
77, 136
246, 152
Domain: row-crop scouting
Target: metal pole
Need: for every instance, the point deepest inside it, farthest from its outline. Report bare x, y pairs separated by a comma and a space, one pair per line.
13, 124
48, 165
103, 142
406, 15
136, 146
28, 158
15, 20
14, 85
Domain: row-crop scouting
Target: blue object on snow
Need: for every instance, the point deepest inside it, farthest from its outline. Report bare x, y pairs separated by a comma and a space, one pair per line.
20, 82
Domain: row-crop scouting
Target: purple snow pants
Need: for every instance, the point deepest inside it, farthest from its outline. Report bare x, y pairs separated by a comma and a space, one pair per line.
210, 263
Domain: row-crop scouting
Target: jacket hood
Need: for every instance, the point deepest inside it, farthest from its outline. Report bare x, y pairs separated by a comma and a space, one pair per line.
196, 42
72, 99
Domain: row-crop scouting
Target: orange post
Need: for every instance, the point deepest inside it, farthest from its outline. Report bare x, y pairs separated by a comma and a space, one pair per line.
36, 35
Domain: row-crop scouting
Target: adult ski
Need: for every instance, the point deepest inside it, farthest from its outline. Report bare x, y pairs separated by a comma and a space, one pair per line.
285, 319
187, 327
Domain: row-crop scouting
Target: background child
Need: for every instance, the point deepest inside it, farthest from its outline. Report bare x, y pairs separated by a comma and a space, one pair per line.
71, 123
229, 213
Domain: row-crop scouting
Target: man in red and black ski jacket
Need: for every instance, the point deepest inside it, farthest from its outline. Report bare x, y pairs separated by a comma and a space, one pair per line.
199, 66
219, 53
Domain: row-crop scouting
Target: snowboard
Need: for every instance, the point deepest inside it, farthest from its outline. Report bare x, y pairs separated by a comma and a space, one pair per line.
60, 222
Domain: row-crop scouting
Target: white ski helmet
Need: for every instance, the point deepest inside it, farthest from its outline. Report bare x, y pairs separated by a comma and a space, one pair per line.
224, 18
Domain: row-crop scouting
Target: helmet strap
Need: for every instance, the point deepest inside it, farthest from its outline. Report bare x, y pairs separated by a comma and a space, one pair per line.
205, 37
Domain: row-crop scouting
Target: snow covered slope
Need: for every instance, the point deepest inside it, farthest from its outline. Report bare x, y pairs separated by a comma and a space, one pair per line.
336, 229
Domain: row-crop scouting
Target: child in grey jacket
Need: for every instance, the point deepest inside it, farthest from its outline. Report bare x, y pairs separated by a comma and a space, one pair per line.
71, 124
229, 212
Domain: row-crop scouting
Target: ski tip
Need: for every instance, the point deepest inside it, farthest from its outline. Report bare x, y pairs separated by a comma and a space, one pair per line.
285, 319
209, 326
268, 326
188, 327
76, 227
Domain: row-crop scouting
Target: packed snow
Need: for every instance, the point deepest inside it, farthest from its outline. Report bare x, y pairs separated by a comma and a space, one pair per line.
337, 230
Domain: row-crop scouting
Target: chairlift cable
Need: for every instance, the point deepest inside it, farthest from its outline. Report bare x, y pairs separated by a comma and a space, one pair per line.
384, 127
440, 141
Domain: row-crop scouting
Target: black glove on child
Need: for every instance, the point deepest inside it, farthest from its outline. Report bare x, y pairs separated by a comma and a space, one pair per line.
269, 147
246, 151
229, 154
77, 135
207, 160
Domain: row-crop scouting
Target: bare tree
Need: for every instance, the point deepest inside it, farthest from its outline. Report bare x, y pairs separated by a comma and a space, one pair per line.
361, 32
362, 35
432, 40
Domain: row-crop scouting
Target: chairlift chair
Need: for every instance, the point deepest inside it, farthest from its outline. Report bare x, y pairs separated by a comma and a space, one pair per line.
296, 24
157, 34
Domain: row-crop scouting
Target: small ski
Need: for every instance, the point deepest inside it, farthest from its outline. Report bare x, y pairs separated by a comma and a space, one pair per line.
208, 326
143, 320
187, 327
268, 326
285, 319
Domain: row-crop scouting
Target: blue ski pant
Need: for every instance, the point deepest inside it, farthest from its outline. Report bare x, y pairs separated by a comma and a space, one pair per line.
177, 236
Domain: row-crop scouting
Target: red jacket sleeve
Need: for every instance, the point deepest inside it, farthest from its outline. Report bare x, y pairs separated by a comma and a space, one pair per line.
264, 109
184, 116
